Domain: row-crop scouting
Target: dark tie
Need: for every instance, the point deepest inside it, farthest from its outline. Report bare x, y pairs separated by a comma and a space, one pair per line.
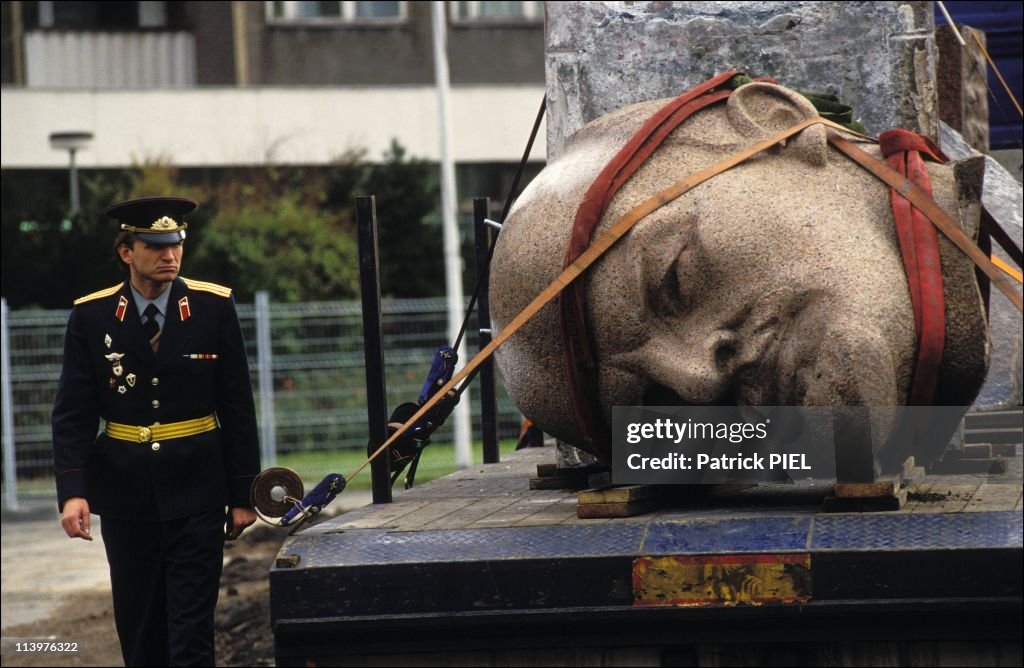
151, 327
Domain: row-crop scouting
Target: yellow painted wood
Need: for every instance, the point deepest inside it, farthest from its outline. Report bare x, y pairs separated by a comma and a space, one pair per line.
624, 509
622, 494
711, 580
864, 490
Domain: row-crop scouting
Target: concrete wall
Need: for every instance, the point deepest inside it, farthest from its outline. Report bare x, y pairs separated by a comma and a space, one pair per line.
210, 22
507, 53
7, 73
392, 54
296, 125
333, 54
337, 54
877, 56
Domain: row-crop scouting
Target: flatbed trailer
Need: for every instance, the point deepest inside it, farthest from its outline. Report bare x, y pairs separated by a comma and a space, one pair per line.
476, 568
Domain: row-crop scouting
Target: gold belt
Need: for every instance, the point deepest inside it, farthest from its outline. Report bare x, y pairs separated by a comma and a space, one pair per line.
161, 432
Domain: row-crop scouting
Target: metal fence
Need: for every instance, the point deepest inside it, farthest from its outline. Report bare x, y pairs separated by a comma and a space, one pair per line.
313, 378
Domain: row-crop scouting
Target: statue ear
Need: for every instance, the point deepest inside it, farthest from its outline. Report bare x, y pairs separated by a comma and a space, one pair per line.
760, 110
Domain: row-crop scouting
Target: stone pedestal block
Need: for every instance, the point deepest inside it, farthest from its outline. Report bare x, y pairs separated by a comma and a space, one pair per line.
963, 98
878, 56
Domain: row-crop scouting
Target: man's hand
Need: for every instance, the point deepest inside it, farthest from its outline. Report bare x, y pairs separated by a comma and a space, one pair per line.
75, 518
240, 519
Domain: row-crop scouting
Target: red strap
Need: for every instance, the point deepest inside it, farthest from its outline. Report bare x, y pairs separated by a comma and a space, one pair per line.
904, 140
919, 244
580, 363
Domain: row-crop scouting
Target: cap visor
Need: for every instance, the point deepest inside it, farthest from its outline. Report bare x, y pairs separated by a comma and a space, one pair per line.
162, 238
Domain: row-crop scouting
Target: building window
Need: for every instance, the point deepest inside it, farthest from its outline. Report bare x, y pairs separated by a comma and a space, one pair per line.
464, 10
97, 16
334, 11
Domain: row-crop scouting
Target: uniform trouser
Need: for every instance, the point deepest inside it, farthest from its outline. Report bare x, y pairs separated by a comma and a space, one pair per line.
165, 578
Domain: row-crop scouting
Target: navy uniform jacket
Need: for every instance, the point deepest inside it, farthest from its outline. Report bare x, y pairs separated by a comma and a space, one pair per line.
199, 369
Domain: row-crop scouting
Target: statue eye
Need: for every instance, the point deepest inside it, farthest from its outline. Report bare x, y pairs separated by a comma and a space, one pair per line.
668, 251
672, 293
670, 283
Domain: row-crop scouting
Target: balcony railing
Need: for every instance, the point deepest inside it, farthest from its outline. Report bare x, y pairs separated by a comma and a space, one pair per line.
145, 59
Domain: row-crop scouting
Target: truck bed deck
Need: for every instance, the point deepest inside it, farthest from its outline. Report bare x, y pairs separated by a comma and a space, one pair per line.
477, 562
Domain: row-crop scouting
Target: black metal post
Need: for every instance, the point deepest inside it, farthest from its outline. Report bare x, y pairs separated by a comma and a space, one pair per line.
488, 402
373, 347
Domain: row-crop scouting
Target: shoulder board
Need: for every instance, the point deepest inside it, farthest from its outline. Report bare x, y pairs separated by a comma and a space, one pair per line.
100, 294
219, 290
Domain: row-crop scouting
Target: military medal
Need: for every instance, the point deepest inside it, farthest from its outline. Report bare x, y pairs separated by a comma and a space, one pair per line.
130, 379
112, 383
107, 341
121, 389
115, 360
201, 356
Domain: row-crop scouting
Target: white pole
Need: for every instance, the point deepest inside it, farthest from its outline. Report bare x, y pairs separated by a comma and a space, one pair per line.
452, 252
265, 366
10, 464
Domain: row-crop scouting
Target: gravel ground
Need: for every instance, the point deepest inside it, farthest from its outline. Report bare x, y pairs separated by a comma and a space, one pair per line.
58, 589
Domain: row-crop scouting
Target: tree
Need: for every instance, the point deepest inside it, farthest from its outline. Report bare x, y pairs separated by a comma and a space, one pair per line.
48, 258
292, 251
411, 247
287, 230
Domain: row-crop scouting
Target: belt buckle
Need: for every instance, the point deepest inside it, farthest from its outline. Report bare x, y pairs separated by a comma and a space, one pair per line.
145, 434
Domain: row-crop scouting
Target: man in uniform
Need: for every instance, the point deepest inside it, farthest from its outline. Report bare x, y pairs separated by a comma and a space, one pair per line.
161, 359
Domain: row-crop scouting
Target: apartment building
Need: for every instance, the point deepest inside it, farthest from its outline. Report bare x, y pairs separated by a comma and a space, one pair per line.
206, 84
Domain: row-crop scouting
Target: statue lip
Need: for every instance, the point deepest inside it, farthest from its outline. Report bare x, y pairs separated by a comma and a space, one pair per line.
799, 337
657, 394
793, 363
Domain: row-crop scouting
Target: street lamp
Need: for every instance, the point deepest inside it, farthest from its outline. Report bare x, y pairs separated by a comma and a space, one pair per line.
71, 142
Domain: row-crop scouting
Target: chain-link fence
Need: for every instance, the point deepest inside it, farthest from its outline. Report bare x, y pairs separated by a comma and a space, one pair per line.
316, 366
